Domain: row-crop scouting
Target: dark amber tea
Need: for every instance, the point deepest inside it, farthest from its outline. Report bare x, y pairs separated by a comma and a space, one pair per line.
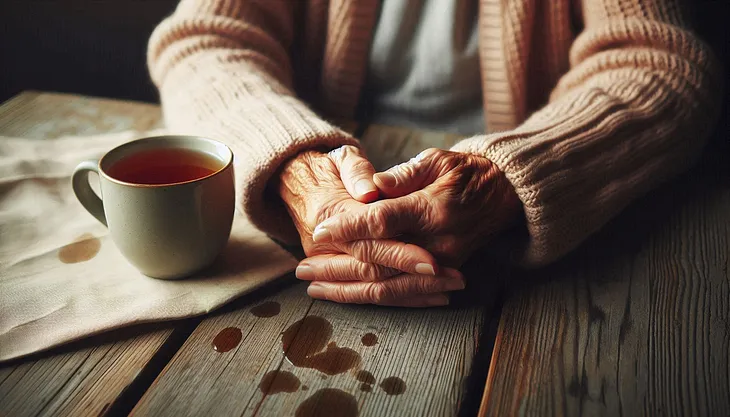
164, 166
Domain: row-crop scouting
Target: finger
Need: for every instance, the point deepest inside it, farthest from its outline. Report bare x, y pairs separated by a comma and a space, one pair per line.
394, 254
389, 291
380, 220
356, 173
409, 176
340, 267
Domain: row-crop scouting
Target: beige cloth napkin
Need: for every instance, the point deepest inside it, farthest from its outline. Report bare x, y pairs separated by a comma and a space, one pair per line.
62, 278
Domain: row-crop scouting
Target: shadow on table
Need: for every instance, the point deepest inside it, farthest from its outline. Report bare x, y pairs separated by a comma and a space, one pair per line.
485, 277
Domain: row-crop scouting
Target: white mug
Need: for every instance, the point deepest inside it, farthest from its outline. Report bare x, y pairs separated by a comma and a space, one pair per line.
168, 230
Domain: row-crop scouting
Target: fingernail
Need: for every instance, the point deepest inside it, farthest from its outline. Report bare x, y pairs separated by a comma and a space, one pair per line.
364, 187
454, 284
315, 291
425, 269
305, 272
321, 235
386, 178
437, 300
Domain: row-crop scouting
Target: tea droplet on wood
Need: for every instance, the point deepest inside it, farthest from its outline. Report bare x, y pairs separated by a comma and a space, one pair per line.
366, 388
329, 402
393, 385
369, 339
304, 387
227, 339
267, 309
304, 340
335, 360
365, 376
85, 247
275, 382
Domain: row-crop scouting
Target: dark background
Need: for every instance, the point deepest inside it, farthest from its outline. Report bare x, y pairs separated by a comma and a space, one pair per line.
91, 47
97, 47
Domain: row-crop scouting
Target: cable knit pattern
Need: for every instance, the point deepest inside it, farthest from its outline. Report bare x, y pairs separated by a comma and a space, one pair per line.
581, 123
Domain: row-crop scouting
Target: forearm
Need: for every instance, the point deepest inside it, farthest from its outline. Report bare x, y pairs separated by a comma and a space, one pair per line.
225, 73
623, 120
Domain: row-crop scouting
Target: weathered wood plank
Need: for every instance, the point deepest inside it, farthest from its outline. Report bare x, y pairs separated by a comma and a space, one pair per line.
86, 378
94, 375
201, 381
431, 351
637, 322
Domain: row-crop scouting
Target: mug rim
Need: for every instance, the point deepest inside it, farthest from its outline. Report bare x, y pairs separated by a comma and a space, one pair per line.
104, 174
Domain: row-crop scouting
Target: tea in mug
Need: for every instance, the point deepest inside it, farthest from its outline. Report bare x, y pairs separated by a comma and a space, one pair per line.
164, 166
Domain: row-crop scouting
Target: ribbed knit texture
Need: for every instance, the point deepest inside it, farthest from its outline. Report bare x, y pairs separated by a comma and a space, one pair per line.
581, 123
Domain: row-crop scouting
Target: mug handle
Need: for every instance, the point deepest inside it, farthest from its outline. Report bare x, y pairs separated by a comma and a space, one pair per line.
88, 198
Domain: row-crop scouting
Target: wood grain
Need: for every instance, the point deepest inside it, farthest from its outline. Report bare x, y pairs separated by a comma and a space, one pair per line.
637, 322
95, 375
431, 350
86, 378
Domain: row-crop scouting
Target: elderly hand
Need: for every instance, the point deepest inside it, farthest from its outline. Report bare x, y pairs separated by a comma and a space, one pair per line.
448, 203
315, 186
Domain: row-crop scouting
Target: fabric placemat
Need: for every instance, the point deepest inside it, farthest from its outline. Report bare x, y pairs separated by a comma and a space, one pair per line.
62, 278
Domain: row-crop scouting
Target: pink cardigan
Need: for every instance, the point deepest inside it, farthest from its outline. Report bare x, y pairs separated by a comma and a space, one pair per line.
589, 103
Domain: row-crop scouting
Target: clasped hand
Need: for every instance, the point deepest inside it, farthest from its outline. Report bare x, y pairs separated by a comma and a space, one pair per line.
396, 237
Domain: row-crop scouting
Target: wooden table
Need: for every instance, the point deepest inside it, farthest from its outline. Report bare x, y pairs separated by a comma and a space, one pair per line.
637, 321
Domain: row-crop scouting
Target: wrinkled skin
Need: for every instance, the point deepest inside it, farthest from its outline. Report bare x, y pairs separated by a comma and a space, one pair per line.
315, 186
449, 203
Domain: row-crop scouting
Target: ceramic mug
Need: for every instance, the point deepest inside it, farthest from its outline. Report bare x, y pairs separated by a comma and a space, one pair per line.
165, 229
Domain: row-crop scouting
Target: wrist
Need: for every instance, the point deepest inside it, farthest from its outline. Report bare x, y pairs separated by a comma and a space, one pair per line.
296, 178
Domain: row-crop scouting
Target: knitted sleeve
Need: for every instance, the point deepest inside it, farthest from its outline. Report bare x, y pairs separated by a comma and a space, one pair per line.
223, 70
634, 109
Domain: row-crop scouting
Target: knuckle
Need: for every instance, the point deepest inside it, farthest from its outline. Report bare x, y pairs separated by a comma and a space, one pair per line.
377, 220
364, 251
424, 286
376, 292
340, 295
447, 247
430, 153
435, 214
360, 166
366, 272
397, 255
349, 149
330, 272
405, 171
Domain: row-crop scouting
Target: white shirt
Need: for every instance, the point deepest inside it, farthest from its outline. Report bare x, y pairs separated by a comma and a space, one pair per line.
424, 66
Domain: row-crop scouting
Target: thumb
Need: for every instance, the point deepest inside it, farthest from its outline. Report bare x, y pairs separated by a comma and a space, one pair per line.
407, 177
356, 173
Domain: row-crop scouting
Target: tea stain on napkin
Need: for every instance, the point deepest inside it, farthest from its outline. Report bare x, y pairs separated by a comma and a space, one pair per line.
82, 249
